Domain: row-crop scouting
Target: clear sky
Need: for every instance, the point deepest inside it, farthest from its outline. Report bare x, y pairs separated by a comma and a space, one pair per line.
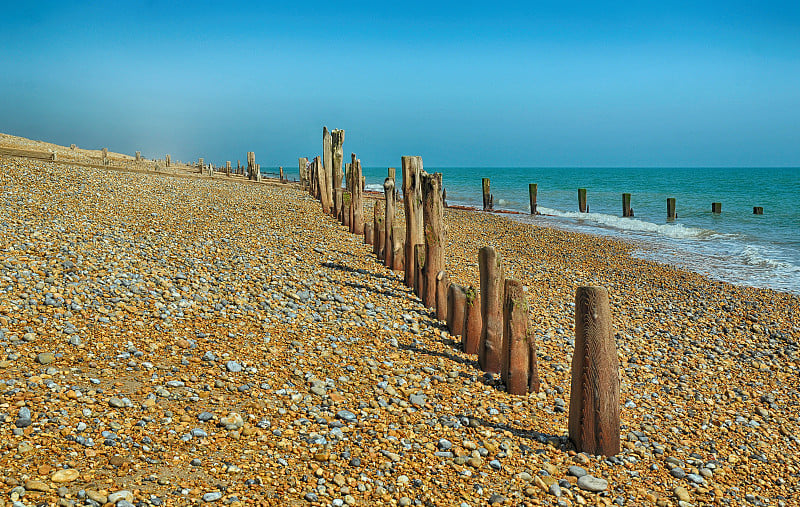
459, 83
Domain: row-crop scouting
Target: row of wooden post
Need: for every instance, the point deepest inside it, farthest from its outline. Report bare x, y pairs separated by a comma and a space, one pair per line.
493, 323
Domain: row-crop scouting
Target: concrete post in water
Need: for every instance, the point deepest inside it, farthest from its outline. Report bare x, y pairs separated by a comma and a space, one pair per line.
487, 200
671, 212
490, 349
166, 160
419, 269
471, 338
455, 309
758, 210
582, 206
716, 208
594, 393
442, 286
412, 202
398, 249
138, 156
388, 227
517, 357
532, 190
626, 205
337, 154
378, 216
357, 226
369, 236
433, 214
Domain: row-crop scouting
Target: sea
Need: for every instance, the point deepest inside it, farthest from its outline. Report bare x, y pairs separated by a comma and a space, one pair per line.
734, 246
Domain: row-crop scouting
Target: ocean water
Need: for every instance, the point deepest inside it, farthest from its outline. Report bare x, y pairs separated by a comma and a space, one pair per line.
735, 246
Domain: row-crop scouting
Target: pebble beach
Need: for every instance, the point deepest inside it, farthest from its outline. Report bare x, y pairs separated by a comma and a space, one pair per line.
169, 338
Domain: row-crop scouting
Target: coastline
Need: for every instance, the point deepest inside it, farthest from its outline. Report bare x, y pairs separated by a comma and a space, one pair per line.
696, 356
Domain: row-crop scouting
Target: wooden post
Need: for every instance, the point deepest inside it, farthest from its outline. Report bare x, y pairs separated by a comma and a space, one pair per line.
594, 394
412, 201
490, 349
166, 160
444, 197
347, 199
301, 171
432, 212
377, 218
419, 269
337, 154
337, 203
313, 187
228, 168
280, 174
388, 224
398, 249
200, 165
138, 156
258, 172
73, 147
251, 165
486, 195
322, 186
369, 236
105, 153
516, 368
626, 205
455, 309
532, 189
716, 208
671, 213
758, 210
327, 155
582, 206
357, 224
471, 338
442, 286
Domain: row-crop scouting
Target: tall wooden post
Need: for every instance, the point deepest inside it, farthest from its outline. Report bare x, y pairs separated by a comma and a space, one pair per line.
357, 225
369, 236
337, 203
378, 217
258, 172
167, 160
455, 309
280, 174
337, 156
716, 208
582, 207
671, 212
322, 186
626, 205
532, 189
490, 349
138, 156
391, 173
594, 395
412, 202
200, 165
105, 153
398, 249
516, 370
432, 212
442, 286
487, 204
388, 224
419, 269
251, 165
347, 207
472, 322
302, 162
228, 168
327, 156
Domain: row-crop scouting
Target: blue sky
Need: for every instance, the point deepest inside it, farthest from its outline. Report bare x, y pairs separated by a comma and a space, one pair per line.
459, 83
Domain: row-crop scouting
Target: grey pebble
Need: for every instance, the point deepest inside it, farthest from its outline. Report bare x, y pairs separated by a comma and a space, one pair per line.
233, 366
576, 471
590, 483
212, 497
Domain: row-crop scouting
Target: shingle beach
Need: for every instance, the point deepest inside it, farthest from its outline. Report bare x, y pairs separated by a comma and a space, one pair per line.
178, 339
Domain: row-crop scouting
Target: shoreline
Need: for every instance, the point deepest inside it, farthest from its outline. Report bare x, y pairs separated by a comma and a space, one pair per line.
235, 352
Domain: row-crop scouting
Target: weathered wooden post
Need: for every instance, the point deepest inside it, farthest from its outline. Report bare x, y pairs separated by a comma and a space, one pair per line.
337, 203
322, 186
472, 322
442, 286
53, 156
301, 171
327, 155
532, 190
258, 172
337, 154
490, 349
105, 156
432, 212
716, 208
671, 212
455, 309
398, 249
444, 197
377, 220
582, 207
280, 174
758, 210
313, 187
251, 165
486, 195
369, 235
412, 202
347, 217
626, 205
517, 343
138, 156
200, 165
357, 225
73, 147
388, 224
228, 168
167, 160
419, 269
594, 393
